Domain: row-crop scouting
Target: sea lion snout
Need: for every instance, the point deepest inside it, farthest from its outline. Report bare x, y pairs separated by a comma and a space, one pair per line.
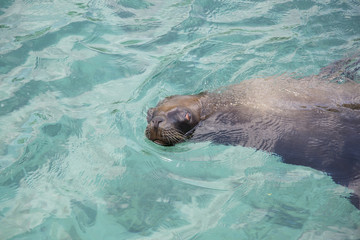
160, 131
156, 121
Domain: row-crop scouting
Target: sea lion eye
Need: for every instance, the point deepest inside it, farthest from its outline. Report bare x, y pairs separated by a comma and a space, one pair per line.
188, 116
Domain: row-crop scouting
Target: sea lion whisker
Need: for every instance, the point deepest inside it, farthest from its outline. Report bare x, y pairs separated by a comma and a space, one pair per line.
173, 135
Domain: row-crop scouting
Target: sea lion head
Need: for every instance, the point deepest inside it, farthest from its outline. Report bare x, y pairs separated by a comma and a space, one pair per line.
173, 119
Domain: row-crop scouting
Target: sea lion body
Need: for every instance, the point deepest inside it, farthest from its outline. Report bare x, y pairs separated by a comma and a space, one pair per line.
309, 121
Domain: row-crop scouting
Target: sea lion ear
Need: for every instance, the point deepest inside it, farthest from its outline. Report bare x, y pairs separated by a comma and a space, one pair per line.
150, 114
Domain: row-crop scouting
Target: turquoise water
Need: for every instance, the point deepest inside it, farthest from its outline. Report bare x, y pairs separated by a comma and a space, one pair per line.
76, 80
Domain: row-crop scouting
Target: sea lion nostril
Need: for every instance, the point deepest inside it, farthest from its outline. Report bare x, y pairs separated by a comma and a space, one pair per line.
156, 121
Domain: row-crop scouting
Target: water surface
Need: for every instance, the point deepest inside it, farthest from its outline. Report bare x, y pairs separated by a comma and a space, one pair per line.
76, 80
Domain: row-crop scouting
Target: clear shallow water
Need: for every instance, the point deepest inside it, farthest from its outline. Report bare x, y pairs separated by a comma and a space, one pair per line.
77, 79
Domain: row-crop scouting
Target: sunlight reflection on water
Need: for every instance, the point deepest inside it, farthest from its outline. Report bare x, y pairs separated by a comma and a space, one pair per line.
77, 79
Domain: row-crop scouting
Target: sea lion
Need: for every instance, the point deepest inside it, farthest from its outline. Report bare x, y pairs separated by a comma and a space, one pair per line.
311, 121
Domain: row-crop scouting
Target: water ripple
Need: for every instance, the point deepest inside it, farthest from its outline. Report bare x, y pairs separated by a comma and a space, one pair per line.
76, 80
